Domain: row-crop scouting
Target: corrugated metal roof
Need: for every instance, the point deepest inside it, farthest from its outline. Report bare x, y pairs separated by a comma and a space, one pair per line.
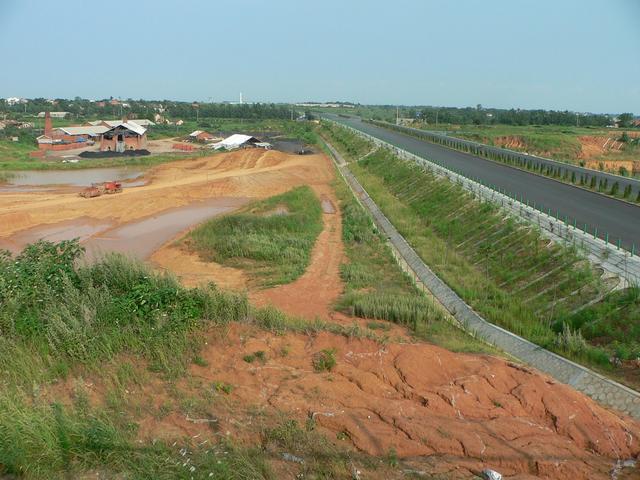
134, 127
85, 130
195, 133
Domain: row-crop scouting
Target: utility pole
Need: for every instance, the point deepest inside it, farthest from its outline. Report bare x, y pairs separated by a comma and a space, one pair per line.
397, 115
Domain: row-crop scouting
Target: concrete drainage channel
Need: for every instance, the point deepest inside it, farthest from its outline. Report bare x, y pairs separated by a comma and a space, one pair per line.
603, 390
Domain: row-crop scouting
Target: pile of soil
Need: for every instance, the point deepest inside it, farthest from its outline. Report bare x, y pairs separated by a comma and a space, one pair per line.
109, 154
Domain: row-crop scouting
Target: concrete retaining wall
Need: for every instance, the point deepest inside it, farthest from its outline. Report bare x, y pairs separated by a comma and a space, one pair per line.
601, 389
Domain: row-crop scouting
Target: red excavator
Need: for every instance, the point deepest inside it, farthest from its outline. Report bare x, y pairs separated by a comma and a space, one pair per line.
97, 189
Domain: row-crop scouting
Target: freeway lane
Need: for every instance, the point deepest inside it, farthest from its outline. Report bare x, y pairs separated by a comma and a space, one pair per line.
620, 220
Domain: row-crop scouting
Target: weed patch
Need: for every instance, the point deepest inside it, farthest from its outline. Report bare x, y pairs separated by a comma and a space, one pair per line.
276, 249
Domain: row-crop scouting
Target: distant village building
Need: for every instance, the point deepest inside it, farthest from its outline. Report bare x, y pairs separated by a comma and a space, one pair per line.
125, 136
11, 101
200, 136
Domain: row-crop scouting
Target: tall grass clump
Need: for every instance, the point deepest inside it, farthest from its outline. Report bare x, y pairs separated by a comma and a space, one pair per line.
55, 441
272, 238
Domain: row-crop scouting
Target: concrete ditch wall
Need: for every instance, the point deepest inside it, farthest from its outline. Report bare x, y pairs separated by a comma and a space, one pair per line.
601, 389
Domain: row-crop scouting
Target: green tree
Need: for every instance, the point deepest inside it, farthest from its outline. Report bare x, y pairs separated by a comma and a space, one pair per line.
625, 119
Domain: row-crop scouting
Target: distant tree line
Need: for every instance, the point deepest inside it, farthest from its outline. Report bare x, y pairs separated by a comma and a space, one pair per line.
82, 108
493, 116
489, 116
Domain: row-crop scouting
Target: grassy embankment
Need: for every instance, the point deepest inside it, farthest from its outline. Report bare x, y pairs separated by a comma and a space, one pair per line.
66, 325
502, 268
376, 288
271, 239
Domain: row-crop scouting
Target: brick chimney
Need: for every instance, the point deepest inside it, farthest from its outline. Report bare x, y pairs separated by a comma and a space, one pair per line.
125, 119
48, 126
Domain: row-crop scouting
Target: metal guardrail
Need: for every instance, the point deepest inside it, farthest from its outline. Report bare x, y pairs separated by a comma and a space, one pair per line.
611, 257
603, 390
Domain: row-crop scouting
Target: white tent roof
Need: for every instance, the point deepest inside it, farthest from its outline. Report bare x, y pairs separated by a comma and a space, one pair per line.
234, 141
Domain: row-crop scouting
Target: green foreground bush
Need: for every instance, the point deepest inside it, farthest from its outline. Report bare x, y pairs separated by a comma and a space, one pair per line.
73, 312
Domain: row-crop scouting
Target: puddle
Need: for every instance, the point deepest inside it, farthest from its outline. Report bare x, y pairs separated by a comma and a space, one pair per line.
75, 178
82, 228
327, 205
139, 238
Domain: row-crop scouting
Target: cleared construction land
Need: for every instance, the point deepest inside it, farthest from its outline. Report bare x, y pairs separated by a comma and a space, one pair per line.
333, 367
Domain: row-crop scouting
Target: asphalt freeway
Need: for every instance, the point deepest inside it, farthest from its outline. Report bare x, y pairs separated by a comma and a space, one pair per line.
617, 219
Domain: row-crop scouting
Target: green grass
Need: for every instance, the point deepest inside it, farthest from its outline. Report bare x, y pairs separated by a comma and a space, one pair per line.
42, 440
504, 269
271, 239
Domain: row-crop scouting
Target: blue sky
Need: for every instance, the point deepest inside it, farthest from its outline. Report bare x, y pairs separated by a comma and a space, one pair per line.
559, 54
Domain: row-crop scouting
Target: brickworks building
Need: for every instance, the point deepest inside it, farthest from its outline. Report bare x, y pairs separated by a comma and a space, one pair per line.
124, 136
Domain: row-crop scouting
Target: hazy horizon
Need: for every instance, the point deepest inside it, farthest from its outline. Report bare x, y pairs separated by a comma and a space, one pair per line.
577, 55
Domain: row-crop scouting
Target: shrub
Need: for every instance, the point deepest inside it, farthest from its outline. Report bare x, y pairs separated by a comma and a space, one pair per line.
325, 360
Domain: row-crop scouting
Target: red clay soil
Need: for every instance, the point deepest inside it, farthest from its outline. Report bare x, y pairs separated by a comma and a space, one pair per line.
464, 412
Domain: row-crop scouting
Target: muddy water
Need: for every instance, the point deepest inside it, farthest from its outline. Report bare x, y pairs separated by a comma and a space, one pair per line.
75, 178
82, 228
139, 238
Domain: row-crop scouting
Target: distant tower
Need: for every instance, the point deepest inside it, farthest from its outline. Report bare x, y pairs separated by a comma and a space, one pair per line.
48, 126
240, 98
